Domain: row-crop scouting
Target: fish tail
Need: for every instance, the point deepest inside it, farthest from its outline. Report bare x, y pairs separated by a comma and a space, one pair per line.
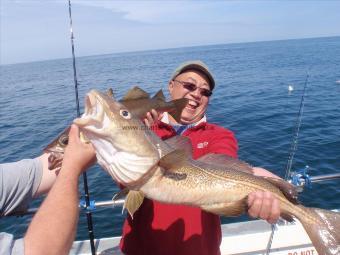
322, 227
179, 105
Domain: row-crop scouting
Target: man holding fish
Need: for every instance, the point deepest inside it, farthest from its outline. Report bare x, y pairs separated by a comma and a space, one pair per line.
155, 224
203, 180
159, 228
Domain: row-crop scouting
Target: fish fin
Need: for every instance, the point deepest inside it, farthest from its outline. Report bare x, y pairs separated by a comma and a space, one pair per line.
322, 229
289, 190
159, 95
179, 106
173, 160
287, 217
135, 93
226, 161
231, 209
110, 93
180, 142
121, 194
133, 201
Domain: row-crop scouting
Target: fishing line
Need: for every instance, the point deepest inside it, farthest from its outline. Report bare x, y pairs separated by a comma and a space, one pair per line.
271, 237
292, 152
296, 131
86, 189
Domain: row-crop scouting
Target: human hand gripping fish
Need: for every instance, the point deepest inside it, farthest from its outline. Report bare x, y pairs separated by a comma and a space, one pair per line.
135, 157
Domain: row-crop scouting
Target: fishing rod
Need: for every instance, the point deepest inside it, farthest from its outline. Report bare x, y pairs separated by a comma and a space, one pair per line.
292, 154
93, 206
86, 189
296, 131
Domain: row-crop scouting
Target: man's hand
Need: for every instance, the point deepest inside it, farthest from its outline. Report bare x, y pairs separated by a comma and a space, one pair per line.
264, 205
78, 155
151, 117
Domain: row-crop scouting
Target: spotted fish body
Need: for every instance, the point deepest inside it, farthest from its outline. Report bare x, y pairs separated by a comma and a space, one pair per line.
135, 157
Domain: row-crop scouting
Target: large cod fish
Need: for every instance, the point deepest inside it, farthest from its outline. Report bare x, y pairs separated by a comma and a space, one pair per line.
137, 101
135, 157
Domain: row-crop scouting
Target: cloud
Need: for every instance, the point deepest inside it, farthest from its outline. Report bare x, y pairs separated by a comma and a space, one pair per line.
39, 29
153, 12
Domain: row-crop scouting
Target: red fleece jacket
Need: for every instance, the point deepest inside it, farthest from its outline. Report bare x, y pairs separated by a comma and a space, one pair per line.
168, 229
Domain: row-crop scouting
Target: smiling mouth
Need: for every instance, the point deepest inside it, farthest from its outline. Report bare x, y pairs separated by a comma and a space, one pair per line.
192, 105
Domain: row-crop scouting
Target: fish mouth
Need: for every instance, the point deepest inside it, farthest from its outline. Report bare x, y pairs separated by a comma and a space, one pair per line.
93, 114
120, 159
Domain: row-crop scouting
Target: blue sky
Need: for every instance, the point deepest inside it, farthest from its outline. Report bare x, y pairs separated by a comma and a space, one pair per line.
34, 30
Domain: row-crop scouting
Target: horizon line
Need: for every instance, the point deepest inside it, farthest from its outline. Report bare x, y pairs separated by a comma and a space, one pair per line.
163, 49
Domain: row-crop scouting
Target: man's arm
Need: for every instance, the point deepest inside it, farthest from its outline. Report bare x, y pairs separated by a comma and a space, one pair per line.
48, 176
53, 228
23, 181
259, 171
18, 183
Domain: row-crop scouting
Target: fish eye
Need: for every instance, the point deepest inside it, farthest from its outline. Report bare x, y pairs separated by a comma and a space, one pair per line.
63, 140
125, 114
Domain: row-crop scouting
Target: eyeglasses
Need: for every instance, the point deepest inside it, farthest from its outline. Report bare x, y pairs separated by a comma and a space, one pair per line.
193, 87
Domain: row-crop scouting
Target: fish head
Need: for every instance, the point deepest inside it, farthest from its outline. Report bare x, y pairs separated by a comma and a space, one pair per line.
58, 144
55, 150
122, 146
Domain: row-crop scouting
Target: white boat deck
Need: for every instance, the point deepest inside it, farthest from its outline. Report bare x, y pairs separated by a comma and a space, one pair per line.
242, 238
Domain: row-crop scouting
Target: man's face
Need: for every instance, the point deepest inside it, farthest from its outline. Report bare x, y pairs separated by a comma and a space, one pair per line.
198, 103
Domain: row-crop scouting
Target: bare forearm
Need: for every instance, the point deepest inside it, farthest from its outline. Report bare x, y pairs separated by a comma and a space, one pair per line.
264, 172
48, 176
53, 228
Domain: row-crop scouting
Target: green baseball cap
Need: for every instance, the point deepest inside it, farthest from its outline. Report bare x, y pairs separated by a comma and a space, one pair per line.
195, 65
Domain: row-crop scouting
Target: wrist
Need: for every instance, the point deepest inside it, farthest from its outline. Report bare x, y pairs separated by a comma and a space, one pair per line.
70, 172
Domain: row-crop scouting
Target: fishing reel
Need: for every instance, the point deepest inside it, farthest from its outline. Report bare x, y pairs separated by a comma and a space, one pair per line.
301, 179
